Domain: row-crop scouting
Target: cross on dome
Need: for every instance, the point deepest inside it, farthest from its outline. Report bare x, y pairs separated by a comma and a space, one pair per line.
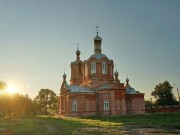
116, 68
77, 46
97, 29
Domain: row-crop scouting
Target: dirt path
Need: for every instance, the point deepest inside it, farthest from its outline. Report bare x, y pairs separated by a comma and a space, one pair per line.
148, 130
126, 130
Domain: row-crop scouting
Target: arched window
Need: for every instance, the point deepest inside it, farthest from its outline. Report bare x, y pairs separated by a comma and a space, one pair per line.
74, 105
111, 70
86, 70
79, 67
104, 68
106, 105
93, 68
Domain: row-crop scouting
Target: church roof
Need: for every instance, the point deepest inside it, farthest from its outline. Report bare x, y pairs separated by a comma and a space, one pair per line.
105, 86
77, 61
98, 56
130, 90
78, 89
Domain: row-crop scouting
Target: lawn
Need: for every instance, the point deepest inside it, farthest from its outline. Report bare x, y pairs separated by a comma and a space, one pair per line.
168, 123
54, 126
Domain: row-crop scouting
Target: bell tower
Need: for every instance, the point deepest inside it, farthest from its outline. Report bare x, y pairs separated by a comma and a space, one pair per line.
76, 69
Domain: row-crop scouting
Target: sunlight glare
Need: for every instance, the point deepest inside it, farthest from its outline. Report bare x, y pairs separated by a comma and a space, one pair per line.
11, 89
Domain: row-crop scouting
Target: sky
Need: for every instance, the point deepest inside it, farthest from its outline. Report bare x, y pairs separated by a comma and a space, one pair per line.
38, 40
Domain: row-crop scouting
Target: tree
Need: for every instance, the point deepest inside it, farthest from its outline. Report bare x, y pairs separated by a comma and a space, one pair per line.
16, 105
148, 103
3, 85
163, 94
46, 100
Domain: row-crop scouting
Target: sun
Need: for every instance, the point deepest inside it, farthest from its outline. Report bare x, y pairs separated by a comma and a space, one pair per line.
11, 89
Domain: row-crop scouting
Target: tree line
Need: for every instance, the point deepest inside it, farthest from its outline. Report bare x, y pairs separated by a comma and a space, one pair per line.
45, 102
18, 105
163, 95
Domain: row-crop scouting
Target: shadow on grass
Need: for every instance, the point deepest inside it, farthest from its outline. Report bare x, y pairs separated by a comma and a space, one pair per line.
45, 125
83, 126
162, 121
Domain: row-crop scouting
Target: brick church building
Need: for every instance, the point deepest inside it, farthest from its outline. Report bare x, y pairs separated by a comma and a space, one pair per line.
95, 89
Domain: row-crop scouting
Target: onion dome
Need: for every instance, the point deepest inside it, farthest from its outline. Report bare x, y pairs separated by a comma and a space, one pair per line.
97, 44
78, 52
127, 83
97, 38
116, 74
129, 89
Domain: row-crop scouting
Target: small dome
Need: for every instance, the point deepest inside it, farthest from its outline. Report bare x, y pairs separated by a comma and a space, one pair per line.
78, 52
97, 38
127, 80
64, 75
116, 73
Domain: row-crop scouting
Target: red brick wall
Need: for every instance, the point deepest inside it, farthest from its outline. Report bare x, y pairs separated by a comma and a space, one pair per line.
174, 108
135, 103
86, 105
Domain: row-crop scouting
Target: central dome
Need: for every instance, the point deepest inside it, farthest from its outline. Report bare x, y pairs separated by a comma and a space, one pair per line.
98, 56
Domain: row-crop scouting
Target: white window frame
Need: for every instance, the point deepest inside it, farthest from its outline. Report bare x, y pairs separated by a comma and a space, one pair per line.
106, 105
104, 67
93, 67
74, 106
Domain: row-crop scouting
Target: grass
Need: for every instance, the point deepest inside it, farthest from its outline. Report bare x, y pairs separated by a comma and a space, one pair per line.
44, 125
167, 120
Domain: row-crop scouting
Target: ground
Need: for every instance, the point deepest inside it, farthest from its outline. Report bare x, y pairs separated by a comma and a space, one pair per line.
147, 124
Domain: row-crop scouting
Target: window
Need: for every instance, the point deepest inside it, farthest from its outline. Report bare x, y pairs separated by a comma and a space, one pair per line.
106, 105
74, 105
93, 67
104, 68
86, 70
111, 70
79, 67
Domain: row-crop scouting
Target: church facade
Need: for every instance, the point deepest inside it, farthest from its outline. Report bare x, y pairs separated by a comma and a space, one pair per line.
95, 89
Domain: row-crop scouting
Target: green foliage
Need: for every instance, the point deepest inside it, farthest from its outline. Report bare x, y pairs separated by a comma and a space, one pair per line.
148, 103
15, 105
163, 94
46, 101
2, 85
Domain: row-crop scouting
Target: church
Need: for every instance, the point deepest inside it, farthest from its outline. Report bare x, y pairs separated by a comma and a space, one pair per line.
95, 89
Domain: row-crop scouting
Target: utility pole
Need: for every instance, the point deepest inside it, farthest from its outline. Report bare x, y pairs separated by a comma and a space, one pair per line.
177, 92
